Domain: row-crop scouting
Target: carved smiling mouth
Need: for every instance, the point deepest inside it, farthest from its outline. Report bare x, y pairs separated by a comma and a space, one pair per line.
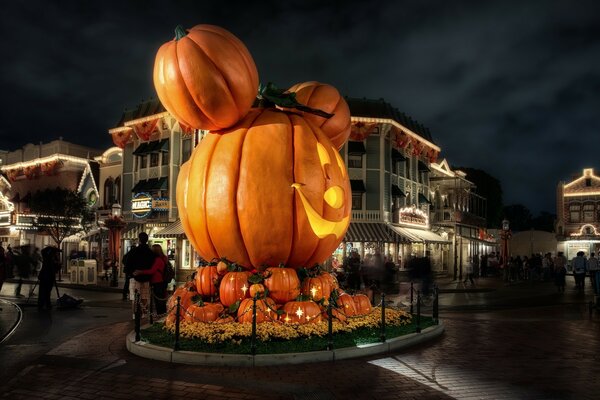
323, 227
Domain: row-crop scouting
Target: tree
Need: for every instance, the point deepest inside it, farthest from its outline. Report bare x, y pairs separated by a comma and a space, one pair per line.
519, 216
489, 187
60, 213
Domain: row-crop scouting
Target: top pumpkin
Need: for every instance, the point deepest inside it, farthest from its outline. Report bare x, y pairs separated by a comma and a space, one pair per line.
205, 77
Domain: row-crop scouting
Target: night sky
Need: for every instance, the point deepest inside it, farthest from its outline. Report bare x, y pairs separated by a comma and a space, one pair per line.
510, 87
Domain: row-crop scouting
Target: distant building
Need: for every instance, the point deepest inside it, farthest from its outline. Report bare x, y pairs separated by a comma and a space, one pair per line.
578, 214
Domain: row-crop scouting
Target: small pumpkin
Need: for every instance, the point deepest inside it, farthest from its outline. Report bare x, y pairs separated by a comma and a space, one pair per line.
187, 294
265, 311
301, 312
205, 77
283, 284
234, 287
317, 288
326, 98
206, 281
204, 312
224, 319
345, 303
257, 289
362, 304
333, 282
222, 267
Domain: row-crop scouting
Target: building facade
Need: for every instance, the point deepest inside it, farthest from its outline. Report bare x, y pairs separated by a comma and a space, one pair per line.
578, 214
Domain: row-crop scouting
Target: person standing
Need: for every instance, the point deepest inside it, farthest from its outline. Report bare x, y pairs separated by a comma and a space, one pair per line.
594, 268
469, 271
140, 258
23, 262
157, 282
579, 267
127, 274
47, 276
560, 272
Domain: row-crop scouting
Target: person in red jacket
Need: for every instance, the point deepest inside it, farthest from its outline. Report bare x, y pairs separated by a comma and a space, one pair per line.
157, 283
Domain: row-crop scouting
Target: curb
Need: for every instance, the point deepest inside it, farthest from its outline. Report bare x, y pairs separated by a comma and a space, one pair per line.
153, 352
15, 325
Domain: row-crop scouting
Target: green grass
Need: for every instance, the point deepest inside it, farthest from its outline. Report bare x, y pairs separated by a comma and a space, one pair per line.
158, 336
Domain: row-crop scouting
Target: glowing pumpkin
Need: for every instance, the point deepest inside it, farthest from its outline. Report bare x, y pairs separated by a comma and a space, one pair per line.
206, 281
187, 294
362, 304
283, 284
234, 287
265, 311
270, 190
317, 288
300, 312
257, 289
205, 312
205, 77
346, 305
326, 98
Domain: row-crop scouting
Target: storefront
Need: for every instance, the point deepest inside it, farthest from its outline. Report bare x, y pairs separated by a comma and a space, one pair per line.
179, 249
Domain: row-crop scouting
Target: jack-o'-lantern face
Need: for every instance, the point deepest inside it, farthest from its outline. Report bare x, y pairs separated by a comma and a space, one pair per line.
270, 190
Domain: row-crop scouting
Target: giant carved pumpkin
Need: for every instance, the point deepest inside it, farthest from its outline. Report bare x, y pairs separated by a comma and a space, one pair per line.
205, 77
273, 189
325, 98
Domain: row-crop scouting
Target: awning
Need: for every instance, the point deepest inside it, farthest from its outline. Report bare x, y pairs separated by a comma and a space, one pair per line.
418, 235
173, 230
423, 167
132, 230
397, 156
397, 192
368, 232
153, 184
423, 199
357, 185
142, 149
356, 148
158, 146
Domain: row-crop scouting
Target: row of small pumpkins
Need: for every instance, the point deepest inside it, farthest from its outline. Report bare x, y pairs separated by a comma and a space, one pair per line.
280, 297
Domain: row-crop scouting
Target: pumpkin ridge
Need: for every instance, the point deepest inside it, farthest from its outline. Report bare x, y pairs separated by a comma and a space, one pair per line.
238, 44
203, 201
184, 221
209, 117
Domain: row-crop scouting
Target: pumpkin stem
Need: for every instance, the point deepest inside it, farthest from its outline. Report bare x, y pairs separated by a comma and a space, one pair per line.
270, 94
180, 32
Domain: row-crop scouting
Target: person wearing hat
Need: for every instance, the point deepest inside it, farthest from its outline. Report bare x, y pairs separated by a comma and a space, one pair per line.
50, 265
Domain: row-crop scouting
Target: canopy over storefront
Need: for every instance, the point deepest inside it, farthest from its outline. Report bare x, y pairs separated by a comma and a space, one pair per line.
418, 235
173, 230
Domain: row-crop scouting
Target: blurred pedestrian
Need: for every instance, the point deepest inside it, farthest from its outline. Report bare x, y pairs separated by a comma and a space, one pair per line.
594, 269
47, 276
24, 264
2, 267
157, 283
579, 264
469, 271
127, 274
353, 268
141, 258
560, 272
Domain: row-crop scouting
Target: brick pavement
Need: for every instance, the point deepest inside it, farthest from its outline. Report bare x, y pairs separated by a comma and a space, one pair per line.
550, 352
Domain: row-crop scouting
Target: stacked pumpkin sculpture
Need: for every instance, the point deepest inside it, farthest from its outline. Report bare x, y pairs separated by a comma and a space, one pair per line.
265, 193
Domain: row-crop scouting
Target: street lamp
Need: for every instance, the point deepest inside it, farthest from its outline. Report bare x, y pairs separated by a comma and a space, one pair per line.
115, 225
505, 236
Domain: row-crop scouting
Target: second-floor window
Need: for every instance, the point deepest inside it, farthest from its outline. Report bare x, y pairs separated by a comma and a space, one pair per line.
588, 213
357, 201
154, 159
574, 213
355, 161
165, 158
143, 161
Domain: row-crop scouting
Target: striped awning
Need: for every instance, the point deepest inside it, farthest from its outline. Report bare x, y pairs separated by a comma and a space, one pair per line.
173, 230
371, 232
132, 230
418, 235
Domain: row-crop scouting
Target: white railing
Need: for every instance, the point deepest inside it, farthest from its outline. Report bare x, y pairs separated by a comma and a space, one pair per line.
369, 215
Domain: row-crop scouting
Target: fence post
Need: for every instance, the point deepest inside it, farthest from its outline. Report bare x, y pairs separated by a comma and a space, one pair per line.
177, 321
418, 311
137, 315
253, 337
150, 318
411, 297
329, 326
436, 305
382, 317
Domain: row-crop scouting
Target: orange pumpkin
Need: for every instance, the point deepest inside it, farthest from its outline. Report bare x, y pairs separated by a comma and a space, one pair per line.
206, 281
224, 320
283, 284
362, 304
274, 175
206, 312
265, 311
205, 77
187, 294
336, 314
333, 282
234, 287
257, 289
345, 303
317, 288
326, 98
301, 312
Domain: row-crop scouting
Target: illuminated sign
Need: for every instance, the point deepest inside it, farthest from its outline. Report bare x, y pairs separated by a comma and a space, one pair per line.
143, 204
413, 216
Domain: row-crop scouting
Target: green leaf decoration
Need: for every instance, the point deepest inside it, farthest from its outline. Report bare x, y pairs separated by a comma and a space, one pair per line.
272, 94
303, 297
255, 278
280, 312
234, 307
198, 300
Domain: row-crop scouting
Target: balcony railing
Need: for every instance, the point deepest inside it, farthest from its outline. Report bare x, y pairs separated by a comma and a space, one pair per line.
367, 215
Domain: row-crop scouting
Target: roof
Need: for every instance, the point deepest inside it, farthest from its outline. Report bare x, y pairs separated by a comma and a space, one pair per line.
381, 109
144, 109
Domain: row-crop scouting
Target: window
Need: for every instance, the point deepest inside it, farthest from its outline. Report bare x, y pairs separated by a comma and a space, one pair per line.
588, 182
355, 161
143, 161
118, 190
154, 160
574, 216
165, 158
357, 201
108, 192
588, 213
186, 150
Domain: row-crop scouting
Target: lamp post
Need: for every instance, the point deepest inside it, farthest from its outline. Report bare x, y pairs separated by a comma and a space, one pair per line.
115, 225
505, 236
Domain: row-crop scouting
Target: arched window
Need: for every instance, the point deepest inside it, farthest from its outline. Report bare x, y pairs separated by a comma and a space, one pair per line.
108, 192
117, 192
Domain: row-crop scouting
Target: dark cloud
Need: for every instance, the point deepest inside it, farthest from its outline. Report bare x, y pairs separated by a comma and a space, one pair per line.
511, 87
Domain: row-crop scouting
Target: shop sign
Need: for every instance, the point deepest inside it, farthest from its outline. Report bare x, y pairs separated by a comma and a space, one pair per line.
5, 218
413, 216
143, 204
